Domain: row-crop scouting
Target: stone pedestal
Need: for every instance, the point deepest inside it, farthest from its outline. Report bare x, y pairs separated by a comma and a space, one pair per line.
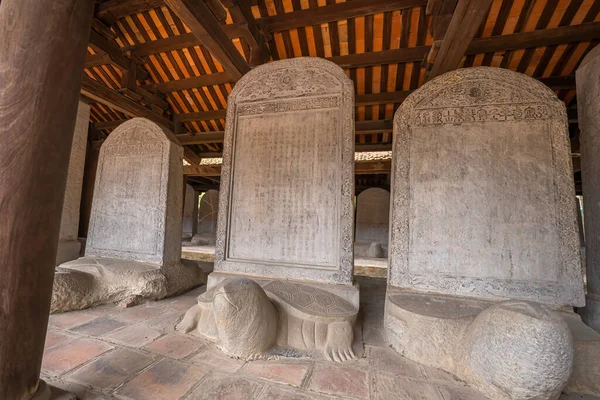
588, 98
133, 248
285, 217
483, 210
68, 245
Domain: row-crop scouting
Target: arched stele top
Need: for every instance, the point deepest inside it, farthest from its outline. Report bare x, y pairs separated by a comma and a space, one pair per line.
595, 52
140, 130
461, 107
305, 89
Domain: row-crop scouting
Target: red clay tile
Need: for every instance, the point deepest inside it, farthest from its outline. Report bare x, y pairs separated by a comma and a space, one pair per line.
165, 322
70, 319
218, 386
165, 380
286, 373
387, 360
217, 359
134, 335
99, 326
174, 346
340, 381
395, 387
277, 393
55, 338
112, 369
60, 359
139, 313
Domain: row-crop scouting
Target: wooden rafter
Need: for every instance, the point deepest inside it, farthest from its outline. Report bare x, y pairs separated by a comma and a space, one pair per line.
203, 24
242, 13
114, 52
467, 18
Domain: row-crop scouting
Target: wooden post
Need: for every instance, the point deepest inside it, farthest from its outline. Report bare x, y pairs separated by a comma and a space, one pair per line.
42, 53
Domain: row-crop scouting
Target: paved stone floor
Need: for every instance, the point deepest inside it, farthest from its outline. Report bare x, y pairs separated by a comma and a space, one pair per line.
116, 353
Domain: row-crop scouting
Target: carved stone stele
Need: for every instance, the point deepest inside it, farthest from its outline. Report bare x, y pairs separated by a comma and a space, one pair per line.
372, 223
483, 211
133, 250
285, 211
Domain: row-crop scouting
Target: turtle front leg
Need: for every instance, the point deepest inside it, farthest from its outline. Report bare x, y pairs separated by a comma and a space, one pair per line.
338, 344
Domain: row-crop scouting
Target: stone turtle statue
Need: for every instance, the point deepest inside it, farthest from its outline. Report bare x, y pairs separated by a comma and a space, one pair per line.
249, 321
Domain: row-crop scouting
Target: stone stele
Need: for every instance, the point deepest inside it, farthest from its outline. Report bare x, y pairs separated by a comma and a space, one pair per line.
133, 250
483, 219
207, 219
372, 223
285, 211
190, 206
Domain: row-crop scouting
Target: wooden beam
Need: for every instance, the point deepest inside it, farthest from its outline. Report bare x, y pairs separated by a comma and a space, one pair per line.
201, 138
115, 53
242, 13
202, 170
335, 12
108, 124
539, 38
408, 54
96, 60
203, 24
559, 82
191, 83
362, 127
201, 116
381, 98
367, 147
467, 18
190, 156
99, 92
115, 9
441, 14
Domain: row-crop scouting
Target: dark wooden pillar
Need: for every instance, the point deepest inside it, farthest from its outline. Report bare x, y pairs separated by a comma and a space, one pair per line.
42, 51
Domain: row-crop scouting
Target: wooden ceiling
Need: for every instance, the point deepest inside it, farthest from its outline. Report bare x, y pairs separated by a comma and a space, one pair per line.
176, 61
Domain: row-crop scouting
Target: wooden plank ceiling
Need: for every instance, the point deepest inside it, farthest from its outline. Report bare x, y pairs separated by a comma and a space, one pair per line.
176, 61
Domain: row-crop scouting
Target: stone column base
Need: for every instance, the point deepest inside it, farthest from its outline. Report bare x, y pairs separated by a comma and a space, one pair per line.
590, 314
68, 250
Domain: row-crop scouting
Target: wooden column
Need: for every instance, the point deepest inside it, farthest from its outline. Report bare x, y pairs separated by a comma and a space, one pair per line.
42, 52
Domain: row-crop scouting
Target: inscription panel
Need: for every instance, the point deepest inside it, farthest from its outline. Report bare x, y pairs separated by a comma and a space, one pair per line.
482, 205
128, 203
286, 189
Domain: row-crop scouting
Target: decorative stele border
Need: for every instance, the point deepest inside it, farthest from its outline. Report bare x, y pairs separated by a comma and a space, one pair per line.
289, 85
475, 95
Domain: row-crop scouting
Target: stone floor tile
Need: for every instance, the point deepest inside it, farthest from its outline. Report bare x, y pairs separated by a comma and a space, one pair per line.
165, 322
82, 392
387, 360
55, 338
174, 346
215, 358
99, 326
339, 381
182, 303
104, 311
165, 380
386, 387
439, 376
134, 335
219, 386
460, 393
111, 369
63, 358
70, 319
374, 337
279, 393
279, 372
139, 313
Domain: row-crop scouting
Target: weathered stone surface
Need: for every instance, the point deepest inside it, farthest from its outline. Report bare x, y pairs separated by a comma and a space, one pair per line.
246, 321
510, 350
372, 223
286, 198
586, 368
588, 98
483, 177
190, 212
133, 249
68, 245
207, 219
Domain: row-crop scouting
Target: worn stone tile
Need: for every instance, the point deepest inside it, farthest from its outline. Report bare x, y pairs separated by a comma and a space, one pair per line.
134, 335
55, 338
219, 386
63, 358
280, 372
339, 381
165, 380
70, 319
165, 322
182, 303
439, 376
110, 370
174, 346
278, 393
460, 393
216, 359
82, 392
387, 360
99, 326
387, 387
104, 311
374, 337
139, 313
